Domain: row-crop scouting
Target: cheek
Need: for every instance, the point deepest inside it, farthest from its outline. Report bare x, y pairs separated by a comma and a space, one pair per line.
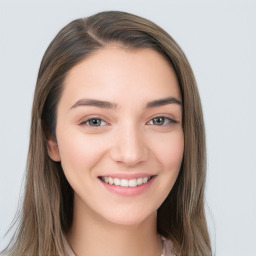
78, 152
170, 152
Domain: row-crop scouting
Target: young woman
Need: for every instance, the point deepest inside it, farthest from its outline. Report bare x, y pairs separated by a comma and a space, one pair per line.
116, 162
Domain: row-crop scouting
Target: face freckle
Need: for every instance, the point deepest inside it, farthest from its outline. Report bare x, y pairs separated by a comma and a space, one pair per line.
106, 128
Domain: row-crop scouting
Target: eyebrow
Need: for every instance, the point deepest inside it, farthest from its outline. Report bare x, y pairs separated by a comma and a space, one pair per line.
110, 105
162, 102
95, 103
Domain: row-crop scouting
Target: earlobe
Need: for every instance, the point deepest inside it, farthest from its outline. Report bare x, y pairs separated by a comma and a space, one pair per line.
53, 150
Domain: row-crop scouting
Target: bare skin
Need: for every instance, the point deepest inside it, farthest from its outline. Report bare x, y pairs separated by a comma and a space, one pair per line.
114, 239
119, 116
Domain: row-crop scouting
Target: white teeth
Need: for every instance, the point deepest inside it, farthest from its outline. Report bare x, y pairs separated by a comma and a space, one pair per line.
125, 182
133, 183
117, 182
139, 181
145, 180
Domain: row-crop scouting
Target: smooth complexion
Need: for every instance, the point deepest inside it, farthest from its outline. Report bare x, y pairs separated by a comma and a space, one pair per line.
119, 116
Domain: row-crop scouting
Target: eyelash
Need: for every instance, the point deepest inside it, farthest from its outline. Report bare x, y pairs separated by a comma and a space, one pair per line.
92, 119
167, 121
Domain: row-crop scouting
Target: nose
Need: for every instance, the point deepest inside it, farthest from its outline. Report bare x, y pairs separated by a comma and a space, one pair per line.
129, 146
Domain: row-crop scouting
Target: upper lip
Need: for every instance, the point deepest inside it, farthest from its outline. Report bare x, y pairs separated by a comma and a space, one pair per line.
128, 176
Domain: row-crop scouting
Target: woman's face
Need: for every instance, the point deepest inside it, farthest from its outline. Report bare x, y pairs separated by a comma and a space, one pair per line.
119, 120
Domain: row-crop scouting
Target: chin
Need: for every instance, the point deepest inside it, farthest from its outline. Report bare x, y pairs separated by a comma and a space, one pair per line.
131, 219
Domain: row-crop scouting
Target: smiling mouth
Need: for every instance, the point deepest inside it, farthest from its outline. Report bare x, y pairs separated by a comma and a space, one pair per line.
125, 182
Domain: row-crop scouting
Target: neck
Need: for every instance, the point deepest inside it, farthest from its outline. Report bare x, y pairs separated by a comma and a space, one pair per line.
91, 234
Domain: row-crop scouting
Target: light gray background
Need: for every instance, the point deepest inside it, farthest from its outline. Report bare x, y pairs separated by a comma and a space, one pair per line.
219, 40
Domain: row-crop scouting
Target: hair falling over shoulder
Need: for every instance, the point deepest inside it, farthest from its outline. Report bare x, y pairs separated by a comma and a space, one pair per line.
47, 209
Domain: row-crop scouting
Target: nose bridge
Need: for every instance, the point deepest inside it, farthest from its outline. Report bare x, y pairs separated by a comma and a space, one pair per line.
130, 146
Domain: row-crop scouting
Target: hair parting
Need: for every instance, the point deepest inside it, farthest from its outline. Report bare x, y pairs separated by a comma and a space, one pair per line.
47, 211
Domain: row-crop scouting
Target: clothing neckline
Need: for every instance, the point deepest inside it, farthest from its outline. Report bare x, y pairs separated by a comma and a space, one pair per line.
167, 248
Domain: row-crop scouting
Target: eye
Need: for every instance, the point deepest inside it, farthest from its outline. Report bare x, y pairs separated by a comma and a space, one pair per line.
95, 122
161, 121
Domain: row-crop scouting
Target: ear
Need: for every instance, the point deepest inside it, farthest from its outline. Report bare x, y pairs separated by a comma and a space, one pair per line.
53, 149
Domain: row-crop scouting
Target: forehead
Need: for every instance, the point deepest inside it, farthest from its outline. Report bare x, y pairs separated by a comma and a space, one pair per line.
115, 72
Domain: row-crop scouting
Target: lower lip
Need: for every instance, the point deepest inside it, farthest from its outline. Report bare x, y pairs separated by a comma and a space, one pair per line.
128, 191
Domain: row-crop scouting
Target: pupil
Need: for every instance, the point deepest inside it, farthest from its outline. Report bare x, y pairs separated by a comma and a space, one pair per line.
94, 122
158, 120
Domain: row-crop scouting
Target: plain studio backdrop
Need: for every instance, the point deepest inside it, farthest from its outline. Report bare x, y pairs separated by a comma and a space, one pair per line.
219, 40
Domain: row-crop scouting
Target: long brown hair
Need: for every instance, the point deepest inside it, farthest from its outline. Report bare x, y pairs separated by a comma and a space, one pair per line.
46, 216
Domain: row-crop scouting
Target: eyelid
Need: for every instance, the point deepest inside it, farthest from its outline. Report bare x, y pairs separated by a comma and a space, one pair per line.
83, 120
171, 119
91, 117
